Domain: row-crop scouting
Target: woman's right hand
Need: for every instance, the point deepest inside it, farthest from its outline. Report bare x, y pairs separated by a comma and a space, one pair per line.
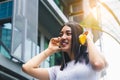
54, 45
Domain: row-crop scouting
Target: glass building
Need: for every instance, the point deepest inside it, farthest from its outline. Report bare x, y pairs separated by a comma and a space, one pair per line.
25, 29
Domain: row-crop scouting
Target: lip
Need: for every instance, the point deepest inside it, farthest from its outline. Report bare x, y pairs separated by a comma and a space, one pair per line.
64, 43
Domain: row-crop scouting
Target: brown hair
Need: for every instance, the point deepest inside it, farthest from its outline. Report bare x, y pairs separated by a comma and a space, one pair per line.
78, 50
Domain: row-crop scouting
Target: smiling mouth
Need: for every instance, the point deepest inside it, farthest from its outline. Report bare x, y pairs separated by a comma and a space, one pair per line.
64, 43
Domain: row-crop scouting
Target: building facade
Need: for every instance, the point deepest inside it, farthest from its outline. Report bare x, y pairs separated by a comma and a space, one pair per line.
25, 29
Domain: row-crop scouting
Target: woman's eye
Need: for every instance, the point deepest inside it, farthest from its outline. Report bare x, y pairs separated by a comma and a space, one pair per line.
69, 34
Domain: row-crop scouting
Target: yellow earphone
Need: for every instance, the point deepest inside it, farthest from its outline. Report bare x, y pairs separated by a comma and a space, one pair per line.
82, 38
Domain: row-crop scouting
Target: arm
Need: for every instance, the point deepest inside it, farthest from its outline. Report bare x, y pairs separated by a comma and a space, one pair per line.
32, 66
96, 59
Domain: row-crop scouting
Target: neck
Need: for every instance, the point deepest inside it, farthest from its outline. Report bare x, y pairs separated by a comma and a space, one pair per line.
71, 55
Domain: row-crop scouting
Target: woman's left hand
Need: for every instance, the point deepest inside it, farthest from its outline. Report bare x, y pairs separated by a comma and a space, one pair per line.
89, 35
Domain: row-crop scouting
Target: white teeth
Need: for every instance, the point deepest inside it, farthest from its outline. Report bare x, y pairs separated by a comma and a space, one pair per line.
65, 42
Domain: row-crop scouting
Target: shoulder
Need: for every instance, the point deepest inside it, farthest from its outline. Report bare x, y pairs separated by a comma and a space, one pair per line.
52, 71
53, 68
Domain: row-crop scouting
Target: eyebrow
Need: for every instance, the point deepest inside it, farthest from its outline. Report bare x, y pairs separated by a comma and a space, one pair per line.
66, 31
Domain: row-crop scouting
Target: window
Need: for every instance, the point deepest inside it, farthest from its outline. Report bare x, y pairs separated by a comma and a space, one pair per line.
63, 7
5, 39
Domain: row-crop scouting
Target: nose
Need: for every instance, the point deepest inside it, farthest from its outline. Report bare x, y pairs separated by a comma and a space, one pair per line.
64, 36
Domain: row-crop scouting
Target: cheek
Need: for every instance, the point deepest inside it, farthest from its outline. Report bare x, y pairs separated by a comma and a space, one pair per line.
70, 39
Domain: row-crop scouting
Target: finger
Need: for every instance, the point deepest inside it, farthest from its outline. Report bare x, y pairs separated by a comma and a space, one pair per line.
59, 42
55, 41
86, 32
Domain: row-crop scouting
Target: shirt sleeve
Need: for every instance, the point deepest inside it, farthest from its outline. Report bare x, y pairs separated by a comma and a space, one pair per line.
53, 72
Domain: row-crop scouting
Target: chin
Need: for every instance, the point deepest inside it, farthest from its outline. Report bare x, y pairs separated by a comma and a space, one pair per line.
65, 49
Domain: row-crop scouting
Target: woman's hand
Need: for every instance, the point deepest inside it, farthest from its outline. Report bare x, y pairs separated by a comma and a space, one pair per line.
89, 35
54, 44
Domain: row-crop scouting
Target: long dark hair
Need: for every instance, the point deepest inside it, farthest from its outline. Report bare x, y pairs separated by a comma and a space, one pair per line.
79, 51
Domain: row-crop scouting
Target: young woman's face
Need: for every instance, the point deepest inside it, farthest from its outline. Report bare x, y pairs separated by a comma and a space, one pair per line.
65, 39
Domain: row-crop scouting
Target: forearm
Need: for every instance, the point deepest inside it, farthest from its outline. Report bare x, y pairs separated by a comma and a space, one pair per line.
96, 59
36, 60
32, 66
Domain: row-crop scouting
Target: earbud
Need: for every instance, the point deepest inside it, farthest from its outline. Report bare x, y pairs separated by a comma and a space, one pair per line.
82, 38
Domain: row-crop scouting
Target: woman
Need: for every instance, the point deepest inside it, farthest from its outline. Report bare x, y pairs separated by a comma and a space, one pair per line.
80, 62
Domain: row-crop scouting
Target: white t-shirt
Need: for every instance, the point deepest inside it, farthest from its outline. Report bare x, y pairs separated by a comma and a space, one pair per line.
78, 71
